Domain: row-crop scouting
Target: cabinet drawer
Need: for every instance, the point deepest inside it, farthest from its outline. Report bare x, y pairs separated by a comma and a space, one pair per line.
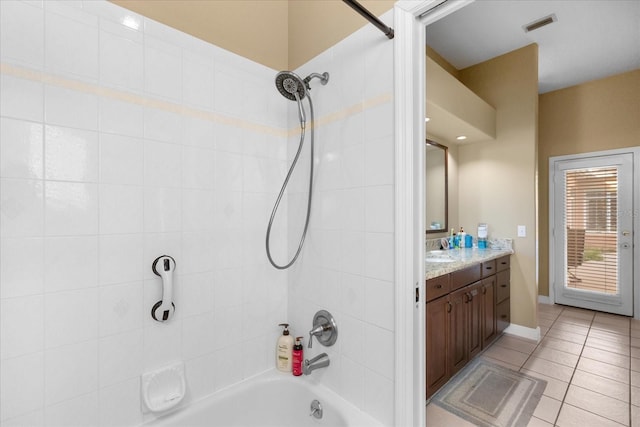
437, 287
503, 288
503, 315
464, 277
488, 268
503, 263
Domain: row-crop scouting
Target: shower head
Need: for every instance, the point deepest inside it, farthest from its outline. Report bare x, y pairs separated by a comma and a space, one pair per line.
288, 84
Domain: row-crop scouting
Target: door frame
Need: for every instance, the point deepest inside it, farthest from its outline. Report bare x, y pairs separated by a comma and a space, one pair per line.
410, 20
635, 152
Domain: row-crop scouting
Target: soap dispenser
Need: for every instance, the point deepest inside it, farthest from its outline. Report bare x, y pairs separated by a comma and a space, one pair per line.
284, 350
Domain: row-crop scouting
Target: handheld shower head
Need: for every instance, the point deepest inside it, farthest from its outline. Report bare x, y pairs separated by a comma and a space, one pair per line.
288, 84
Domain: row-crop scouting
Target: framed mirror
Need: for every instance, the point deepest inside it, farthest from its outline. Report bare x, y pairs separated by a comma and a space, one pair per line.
436, 188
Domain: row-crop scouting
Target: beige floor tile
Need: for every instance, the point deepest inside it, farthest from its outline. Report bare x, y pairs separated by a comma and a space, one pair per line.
557, 356
635, 342
550, 308
517, 344
500, 362
635, 324
612, 319
635, 333
635, 378
635, 416
542, 321
604, 370
635, 396
608, 335
570, 416
438, 417
537, 422
602, 385
555, 389
562, 345
620, 360
612, 329
547, 409
599, 404
608, 345
507, 355
555, 370
635, 352
578, 312
570, 327
635, 364
543, 330
566, 336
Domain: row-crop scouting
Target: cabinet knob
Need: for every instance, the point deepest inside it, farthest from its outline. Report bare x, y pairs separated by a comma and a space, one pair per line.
503, 286
448, 307
488, 268
484, 291
438, 286
504, 316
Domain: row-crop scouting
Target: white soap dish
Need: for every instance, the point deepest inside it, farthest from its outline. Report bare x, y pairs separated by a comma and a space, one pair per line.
163, 389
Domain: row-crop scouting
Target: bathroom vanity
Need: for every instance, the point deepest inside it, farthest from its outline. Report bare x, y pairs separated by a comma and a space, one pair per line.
467, 297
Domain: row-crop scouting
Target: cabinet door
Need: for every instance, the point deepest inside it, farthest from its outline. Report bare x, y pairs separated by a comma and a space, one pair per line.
489, 310
437, 318
474, 307
458, 325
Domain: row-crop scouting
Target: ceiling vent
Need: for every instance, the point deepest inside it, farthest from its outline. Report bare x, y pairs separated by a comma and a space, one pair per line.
539, 23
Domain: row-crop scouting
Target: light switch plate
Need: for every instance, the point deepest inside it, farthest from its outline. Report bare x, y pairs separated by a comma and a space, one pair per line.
522, 231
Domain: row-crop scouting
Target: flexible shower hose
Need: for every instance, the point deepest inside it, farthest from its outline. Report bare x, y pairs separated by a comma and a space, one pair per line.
284, 186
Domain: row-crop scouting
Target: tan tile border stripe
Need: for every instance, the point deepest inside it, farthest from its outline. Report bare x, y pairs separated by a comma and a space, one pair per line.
145, 101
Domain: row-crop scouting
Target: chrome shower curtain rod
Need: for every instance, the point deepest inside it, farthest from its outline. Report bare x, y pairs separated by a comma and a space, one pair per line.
388, 31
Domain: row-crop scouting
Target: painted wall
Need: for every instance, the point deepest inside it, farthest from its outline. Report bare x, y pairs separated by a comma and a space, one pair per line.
118, 146
277, 33
347, 265
497, 178
594, 116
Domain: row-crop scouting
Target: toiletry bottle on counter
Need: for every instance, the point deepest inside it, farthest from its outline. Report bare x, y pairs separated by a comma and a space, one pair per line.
462, 238
297, 357
284, 348
468, 241
483, 233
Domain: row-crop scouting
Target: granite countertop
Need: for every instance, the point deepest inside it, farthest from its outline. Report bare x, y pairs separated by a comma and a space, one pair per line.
462, 258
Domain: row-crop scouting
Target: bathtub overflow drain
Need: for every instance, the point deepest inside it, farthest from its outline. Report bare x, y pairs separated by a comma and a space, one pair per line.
316, 409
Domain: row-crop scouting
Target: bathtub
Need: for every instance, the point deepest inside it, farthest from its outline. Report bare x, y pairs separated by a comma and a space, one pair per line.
269, 399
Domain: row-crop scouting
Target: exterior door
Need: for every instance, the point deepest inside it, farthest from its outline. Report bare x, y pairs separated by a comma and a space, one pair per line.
592, 233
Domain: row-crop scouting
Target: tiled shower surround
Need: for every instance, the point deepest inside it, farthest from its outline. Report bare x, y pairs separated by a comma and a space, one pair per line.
121, 144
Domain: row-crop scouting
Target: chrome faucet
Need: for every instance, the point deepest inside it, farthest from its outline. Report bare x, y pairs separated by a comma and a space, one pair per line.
320, 361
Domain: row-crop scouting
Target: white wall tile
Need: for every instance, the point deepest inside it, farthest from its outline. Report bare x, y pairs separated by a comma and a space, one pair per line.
79, 411
22, 385
198, 80
121, 62
352, 381
379, 258
162, 344
352, 295
197, 168
71, 208
161, 125
228, 368
22, 326
199, 249
121, 159
228, 172
379, 209
121, 209
21, 149
71, 46
120, 404
197, 337
70, 371
379, 356
70, 154
32, 419
21, 99
196, 294
22, 271
121, 308
200, 132
22, 202
120, 258
200, 376
378, 397
121, 117
163, 71
162, 209
70, 263
22, 33
379, 166
378, 295
71, 317
71, 108
120, 357
162, 164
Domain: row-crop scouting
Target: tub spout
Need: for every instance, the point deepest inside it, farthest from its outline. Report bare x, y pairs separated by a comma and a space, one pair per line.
320, 361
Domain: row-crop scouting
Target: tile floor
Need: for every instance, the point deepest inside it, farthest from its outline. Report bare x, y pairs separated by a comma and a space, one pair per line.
590, 360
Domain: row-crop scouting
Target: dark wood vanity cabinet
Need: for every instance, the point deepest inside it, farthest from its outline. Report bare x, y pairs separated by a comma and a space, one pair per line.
466, 311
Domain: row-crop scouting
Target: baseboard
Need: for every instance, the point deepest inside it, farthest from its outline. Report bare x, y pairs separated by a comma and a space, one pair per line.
543, 299
532, 334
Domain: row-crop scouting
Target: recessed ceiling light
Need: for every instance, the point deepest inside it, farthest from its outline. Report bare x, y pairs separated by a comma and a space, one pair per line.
461, 138
131, 22
426, 119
